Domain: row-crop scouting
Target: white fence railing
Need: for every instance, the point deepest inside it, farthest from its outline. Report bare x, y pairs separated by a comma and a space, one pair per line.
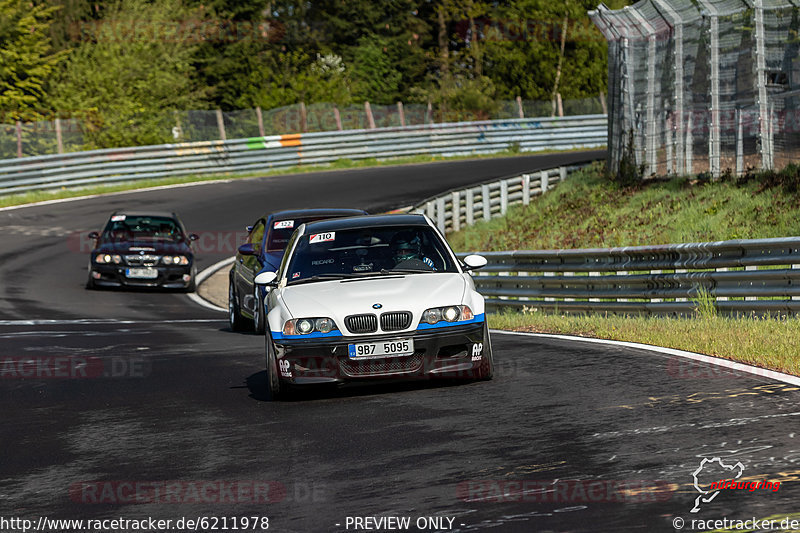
463, 207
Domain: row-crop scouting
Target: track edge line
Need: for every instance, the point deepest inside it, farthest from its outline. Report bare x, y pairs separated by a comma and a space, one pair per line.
204, 275
726, 363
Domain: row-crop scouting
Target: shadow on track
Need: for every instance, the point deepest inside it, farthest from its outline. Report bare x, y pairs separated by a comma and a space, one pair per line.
257, 384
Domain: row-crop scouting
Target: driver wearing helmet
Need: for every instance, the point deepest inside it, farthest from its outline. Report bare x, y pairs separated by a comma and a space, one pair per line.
407, 252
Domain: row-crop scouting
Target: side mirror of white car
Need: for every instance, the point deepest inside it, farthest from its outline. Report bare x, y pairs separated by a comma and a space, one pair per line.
473, 262
266, 278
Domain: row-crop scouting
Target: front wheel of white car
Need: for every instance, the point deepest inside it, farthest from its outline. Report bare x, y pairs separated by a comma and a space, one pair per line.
485, 371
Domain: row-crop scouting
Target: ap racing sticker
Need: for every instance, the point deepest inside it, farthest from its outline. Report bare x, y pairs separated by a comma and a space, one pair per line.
322, 237
286, 370
477, 351
283, 224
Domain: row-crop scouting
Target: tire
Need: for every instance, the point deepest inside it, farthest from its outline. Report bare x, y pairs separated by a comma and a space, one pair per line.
193, 285
485, 372
259, 320
275, 390
90, 284
235, 319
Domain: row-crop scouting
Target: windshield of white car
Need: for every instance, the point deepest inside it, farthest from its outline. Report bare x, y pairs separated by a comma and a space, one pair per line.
365, 252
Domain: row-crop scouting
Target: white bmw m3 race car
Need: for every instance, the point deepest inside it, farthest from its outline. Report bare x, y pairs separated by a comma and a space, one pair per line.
373, 297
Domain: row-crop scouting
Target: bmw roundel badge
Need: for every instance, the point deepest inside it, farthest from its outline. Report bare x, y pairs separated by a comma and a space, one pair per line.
376, 306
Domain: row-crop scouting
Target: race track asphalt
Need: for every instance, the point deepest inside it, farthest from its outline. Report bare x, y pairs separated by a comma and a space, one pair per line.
165, 406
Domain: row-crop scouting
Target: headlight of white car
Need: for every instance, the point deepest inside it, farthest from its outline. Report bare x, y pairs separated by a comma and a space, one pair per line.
450, 313
304, 326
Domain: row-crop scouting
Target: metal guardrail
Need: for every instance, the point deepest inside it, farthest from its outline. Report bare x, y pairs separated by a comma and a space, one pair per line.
457, 208
263, 153
760, 276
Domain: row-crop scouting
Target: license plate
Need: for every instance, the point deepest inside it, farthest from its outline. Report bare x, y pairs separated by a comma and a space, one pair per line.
142, 273
381, 349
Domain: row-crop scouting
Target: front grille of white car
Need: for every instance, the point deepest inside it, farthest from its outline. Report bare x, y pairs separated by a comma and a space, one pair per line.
395, 321
361, 323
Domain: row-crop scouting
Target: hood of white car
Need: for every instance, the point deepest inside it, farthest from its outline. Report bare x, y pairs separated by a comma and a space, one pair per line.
406, 292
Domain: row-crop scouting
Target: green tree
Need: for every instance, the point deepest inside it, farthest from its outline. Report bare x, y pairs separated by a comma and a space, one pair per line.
294, 77
74, 23
375, 76
134, 76
26, 58
239, 55
393, 33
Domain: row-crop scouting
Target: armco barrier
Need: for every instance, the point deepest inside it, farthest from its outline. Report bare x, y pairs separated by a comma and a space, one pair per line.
759, 276
264, 153
462, 207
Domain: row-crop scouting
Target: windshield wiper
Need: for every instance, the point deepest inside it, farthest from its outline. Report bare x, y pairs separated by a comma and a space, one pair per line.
405, 271
323, 277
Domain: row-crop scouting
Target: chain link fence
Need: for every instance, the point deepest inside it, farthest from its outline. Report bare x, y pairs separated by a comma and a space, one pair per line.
703, 85
68, 135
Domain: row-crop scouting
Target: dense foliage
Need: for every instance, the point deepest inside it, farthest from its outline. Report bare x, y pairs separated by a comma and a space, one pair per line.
127, 62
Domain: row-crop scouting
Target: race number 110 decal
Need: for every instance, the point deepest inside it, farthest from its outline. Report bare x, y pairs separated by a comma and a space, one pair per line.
322, 237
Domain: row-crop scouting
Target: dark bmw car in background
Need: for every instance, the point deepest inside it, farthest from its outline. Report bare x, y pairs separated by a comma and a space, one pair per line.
262, 252
142, 249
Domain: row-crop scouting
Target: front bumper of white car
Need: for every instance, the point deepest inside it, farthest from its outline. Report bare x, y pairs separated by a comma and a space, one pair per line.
453, 351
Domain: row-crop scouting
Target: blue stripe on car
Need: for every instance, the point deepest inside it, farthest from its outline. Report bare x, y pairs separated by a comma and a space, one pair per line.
277, 335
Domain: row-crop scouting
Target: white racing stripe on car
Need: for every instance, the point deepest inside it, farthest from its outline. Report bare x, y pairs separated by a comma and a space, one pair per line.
204, 275
726, 363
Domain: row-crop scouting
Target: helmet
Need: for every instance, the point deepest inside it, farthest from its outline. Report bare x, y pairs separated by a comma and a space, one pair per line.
406, 245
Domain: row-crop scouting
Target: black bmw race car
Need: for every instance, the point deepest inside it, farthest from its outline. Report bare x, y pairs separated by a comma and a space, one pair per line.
138, 249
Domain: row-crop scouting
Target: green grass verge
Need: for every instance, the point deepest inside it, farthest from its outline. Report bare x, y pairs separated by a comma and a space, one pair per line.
74, 192
765, 343
588, 210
